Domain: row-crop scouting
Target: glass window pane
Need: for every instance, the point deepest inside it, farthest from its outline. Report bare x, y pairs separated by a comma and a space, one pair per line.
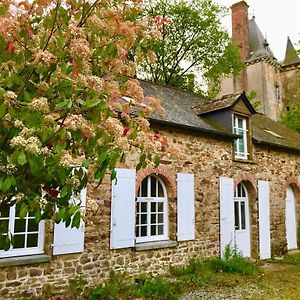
236, 215
19, 241
243, 215
143, 230
153, 186
243, 192
4, 213
160, 229
153, 207
143, 207
144, 187
20, 225
32, 240
241, 146
153, 218
4, 225
160, 207
153, 230
137, 231
160, 218
143, 219
32, 226
240, 123
160, 190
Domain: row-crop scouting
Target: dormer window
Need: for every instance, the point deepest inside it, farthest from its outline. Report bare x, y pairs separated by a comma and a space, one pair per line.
241, 143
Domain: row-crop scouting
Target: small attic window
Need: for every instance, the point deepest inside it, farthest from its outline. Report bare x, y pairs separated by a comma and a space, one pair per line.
241, 143
274, 134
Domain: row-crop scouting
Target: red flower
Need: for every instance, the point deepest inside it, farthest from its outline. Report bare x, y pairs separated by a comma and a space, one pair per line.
124, 57
10, 47
86, 132
74, 64
125, 131
54, 193
30, 32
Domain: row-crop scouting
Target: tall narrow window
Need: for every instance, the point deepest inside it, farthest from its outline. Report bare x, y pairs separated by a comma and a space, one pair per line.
151, 210
240, 204
27, 235
241, 143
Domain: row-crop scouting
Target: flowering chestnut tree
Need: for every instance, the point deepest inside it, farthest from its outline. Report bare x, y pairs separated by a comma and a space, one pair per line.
68, 102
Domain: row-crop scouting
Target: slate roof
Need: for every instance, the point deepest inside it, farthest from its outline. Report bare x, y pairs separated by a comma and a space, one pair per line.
178, 107
258, 46
267, 131
291, 56
179, 113
225, 102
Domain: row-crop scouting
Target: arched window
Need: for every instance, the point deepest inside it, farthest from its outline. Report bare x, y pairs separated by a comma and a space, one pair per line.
152, 210
240, 207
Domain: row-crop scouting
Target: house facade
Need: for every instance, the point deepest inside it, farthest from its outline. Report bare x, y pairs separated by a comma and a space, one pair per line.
235, 180
274, 84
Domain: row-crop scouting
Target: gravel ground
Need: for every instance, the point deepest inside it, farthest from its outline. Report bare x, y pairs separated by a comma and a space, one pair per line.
236, 293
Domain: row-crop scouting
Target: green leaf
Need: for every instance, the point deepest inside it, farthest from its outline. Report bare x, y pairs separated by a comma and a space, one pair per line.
156, 161
111, 50
38, 216
60, 214
23, 211
63, 192
76, 220
22, 158
92, 102
2, 110
6, 184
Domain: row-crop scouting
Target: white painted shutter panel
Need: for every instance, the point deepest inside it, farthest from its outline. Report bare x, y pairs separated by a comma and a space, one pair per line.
264, 219
226, 213
67, 239
185, 207
123, 209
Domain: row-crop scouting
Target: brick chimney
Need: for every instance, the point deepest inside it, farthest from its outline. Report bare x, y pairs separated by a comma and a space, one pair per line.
240, 27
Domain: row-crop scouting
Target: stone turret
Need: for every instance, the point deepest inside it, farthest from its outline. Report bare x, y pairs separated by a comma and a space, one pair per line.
291, 56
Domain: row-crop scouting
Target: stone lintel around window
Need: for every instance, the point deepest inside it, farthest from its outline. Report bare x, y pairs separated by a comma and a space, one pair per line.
155, 245
24, 260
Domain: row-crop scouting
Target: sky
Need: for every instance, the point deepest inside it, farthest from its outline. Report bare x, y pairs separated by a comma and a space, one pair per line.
277, 19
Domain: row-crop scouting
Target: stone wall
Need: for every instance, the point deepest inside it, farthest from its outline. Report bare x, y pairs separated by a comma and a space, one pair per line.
208, 158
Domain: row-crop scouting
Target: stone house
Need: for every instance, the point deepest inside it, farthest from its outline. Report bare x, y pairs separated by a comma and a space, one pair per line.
275, 83
235, 181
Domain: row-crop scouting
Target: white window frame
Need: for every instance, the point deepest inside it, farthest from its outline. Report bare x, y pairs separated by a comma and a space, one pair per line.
241, 199
149, 200
39, 249
243, 131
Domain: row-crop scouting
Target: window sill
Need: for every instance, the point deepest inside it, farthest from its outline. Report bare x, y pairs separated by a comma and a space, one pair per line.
24, 260
245, 161
155, 245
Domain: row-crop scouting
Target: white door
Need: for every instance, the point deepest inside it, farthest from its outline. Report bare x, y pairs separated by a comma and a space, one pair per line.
241, 220
290, 219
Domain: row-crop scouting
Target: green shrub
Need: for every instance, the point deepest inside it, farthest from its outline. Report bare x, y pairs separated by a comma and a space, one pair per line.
233, 262
158, 288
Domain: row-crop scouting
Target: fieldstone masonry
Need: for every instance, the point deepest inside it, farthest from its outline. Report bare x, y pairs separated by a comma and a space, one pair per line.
206, 157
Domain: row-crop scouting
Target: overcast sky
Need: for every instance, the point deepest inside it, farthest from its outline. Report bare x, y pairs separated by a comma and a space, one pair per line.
276, 19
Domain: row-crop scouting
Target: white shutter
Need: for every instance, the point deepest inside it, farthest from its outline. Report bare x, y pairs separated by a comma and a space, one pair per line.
264, 219
67, 239
123, 209
226, 213
185, 207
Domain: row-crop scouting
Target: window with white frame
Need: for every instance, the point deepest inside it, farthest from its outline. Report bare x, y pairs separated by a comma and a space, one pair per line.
27, 235
240, 207
241, 143
151, 210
